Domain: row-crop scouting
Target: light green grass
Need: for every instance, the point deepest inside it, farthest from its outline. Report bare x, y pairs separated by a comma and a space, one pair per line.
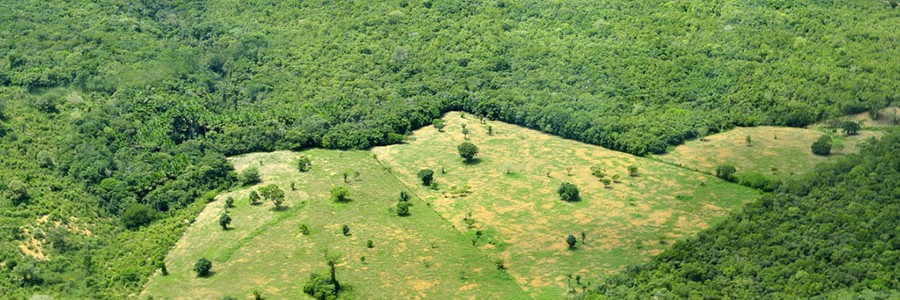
525, 223
420, 256
775, 152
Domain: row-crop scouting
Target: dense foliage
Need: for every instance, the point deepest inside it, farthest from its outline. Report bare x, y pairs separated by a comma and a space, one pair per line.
116, 115
832, 232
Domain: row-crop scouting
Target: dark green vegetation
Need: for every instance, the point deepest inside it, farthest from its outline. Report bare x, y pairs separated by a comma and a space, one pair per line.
822, 146
116, 115
832, 232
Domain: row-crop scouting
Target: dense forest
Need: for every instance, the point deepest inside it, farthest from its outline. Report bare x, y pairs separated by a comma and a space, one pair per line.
116, 116
832, 233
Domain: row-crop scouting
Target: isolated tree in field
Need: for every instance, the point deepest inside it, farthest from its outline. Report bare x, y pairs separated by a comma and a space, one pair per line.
339, 193
726, 171
465, 132
273, 193
345, 230
438, 124
606, 182
254, 197
490, 129
467, 151
229, 202
250, 176
633, 170
304, 229
748, 140
568, 192
583, 237
202, 267
224, 220
402, 208
572, 241
822, 146
426, 175
304, 163
404, 196
850, 128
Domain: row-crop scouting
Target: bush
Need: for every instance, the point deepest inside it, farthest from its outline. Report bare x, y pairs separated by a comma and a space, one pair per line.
568, 192
202, 267
370, 244
467, 151
822, 146
304, 229
303, 163
426, 175
320, 287
340, 193
402, 208
726, 172
250, 176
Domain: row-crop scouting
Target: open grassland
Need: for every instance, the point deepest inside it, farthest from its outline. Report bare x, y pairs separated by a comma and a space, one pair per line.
775, 152
510, 192
416, 257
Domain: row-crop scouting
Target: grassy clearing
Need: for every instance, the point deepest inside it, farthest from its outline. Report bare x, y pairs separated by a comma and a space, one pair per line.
510, 192
416, 257
775, 152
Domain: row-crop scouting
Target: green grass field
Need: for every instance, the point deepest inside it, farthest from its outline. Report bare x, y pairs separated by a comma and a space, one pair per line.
510, 192
776, 152
416, 257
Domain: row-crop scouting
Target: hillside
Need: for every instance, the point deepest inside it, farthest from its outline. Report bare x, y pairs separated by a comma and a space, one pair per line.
116, 116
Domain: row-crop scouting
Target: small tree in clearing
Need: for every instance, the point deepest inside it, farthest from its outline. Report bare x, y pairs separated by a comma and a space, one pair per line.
633, 170
254, 197
467, 151
345, 230
850, 128
572, 241
224, 220
426, 175
606, 182
822, 146
250, 176
339, 193
303, 163
202, 267
402, 208
568, 192
274, 193
438, 124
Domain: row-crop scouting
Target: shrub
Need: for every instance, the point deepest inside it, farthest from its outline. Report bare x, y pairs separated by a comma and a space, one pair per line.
303, 163
402, 208
250, 176
568, 192
340, 193
426, 175
202, 267
822, 146
467, 151
726, 172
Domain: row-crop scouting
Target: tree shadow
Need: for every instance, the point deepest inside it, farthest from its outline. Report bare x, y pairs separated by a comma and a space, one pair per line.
280, 208
208, 274
474, 161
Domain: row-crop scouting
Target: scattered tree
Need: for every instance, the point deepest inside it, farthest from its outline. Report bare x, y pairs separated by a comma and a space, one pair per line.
583, 237
438, 124
726, 172
426, 175
606, 182
273, 193
404, 196
162, 268
340, 193
615, 178
304, 229
748, 140
465, 132
304, 163
250, 176
850, 128
370, 244
224, 220
572, 241
254, 197
202, 267
633, 170
257, 295
598, 172
345, 230
568, 192
467, 151
500, 263
822, 146
402, 208
229, 202
490, 129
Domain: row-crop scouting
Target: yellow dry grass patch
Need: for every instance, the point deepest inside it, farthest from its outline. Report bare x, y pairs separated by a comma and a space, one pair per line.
512, 194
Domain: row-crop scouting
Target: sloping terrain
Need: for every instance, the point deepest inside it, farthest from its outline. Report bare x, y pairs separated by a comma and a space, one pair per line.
510, 192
